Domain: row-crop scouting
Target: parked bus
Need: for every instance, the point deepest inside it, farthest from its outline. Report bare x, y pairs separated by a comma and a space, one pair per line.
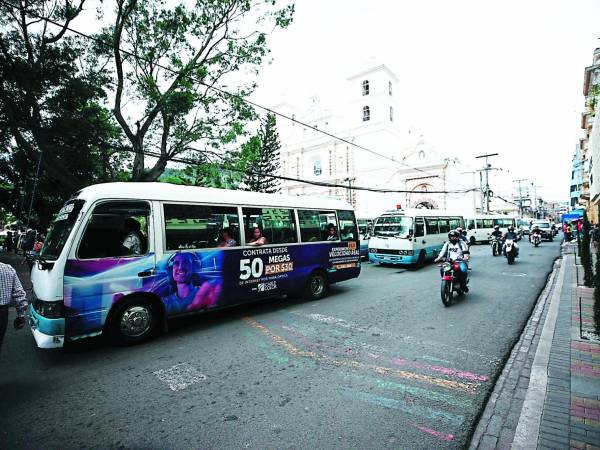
479, 227
411, 236
122, 258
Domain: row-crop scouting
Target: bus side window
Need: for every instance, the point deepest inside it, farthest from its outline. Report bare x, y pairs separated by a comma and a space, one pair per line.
200, 226
419, 227
276, 225
488, 223
443, 225
115, 229
432, 226
313, 224
348, 229
479, 223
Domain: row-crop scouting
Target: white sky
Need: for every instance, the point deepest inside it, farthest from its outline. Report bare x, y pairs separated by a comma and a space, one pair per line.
475, 76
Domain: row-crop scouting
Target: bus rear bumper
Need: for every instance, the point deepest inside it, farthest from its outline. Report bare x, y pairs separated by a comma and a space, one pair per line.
48, 333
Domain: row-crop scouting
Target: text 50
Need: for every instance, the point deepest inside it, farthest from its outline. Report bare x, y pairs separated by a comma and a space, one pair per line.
251, 268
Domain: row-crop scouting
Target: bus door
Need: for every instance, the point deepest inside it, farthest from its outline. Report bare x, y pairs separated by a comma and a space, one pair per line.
112, 257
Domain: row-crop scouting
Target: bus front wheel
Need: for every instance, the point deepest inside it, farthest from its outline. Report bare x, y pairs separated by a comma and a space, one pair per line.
134, 321
316, 286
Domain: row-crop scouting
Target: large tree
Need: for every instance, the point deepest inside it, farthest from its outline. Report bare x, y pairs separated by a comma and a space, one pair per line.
167, 62
55, 135
266, 160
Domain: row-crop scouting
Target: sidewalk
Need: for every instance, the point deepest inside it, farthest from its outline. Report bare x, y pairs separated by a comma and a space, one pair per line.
548, 395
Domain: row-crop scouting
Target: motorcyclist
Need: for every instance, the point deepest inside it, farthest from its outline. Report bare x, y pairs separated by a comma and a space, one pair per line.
462, 235
456, 249
510, 234
536, 230
496, 233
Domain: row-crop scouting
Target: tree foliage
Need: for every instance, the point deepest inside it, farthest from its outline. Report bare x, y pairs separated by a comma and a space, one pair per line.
51, 95
166, 61
267, 159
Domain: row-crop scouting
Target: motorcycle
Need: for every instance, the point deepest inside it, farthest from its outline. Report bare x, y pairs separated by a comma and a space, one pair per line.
510, 251
536, 239
450, 281
496, 245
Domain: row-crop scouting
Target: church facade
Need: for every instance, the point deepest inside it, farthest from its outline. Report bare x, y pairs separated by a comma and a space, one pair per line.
377, 151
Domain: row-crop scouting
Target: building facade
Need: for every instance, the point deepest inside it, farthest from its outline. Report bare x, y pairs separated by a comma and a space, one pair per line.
589, 194
370, 145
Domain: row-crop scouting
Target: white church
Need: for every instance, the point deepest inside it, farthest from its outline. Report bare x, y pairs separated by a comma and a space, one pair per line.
388, 153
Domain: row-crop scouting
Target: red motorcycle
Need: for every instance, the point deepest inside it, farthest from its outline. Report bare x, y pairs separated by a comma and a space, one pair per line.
451, 281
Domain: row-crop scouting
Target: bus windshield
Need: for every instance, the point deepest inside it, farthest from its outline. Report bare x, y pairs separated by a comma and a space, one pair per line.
396, 226
61, 229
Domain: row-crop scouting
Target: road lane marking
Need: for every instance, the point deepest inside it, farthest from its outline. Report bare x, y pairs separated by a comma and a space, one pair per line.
438, 434
179, 376
445, 370
348, 351
417, 392
400, 405
292, 349
370, 330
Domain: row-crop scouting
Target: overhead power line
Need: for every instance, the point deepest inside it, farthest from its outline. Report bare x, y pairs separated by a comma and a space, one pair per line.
184, 160
220, 90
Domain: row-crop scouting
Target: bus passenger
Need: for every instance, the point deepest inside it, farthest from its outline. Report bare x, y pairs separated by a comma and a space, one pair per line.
257, 237
227, 239
332, 232
132, 244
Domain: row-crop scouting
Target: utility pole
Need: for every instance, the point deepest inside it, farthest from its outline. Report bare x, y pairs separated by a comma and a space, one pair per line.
487, 169
520, 196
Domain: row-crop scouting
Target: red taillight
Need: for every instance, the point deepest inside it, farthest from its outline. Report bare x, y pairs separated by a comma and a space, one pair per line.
447, 278
456, 266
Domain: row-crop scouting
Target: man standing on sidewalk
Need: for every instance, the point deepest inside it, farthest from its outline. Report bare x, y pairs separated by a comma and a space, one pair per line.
11, 292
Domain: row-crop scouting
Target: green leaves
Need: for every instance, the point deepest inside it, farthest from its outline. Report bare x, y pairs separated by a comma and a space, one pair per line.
172, 57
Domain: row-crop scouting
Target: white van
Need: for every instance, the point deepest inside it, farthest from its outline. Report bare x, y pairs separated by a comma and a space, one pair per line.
479, 227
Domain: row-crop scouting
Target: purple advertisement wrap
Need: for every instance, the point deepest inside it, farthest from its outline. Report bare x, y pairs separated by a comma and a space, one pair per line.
189, 281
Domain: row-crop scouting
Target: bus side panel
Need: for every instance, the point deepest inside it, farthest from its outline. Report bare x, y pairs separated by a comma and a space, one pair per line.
92, 286
189, 281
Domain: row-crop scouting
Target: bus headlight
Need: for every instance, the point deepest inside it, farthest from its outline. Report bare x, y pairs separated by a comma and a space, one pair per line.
49, 310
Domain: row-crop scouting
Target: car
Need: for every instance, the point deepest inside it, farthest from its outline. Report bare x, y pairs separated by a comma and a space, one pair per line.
545, 227
523, 226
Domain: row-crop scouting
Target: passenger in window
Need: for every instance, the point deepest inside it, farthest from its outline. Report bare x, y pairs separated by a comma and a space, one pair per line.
132, 244
185, 295
257, 237
348, 234
332, 232
226, 238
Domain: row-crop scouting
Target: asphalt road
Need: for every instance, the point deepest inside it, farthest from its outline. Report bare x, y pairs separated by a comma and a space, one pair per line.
380, 363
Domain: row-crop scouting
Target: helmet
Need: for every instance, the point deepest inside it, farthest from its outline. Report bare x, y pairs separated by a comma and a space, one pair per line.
511, 228
496, 227
459, 229
453, 235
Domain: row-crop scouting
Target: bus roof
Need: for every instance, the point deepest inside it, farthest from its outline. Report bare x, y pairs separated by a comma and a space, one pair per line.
195, 194
412, 212
490, 216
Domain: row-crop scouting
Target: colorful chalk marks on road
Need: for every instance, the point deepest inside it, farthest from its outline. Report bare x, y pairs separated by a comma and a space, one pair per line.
447, 389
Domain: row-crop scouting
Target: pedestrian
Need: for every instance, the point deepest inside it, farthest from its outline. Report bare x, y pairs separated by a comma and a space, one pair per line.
11, 292
568, 232
595, 237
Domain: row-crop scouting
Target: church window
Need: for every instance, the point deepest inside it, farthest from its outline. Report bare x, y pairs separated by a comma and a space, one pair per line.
366, 113
390, 87
365, 87
391, 113
317, 167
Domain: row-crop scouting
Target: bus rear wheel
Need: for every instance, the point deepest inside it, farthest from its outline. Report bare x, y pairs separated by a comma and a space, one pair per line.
134, 321
317, 286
